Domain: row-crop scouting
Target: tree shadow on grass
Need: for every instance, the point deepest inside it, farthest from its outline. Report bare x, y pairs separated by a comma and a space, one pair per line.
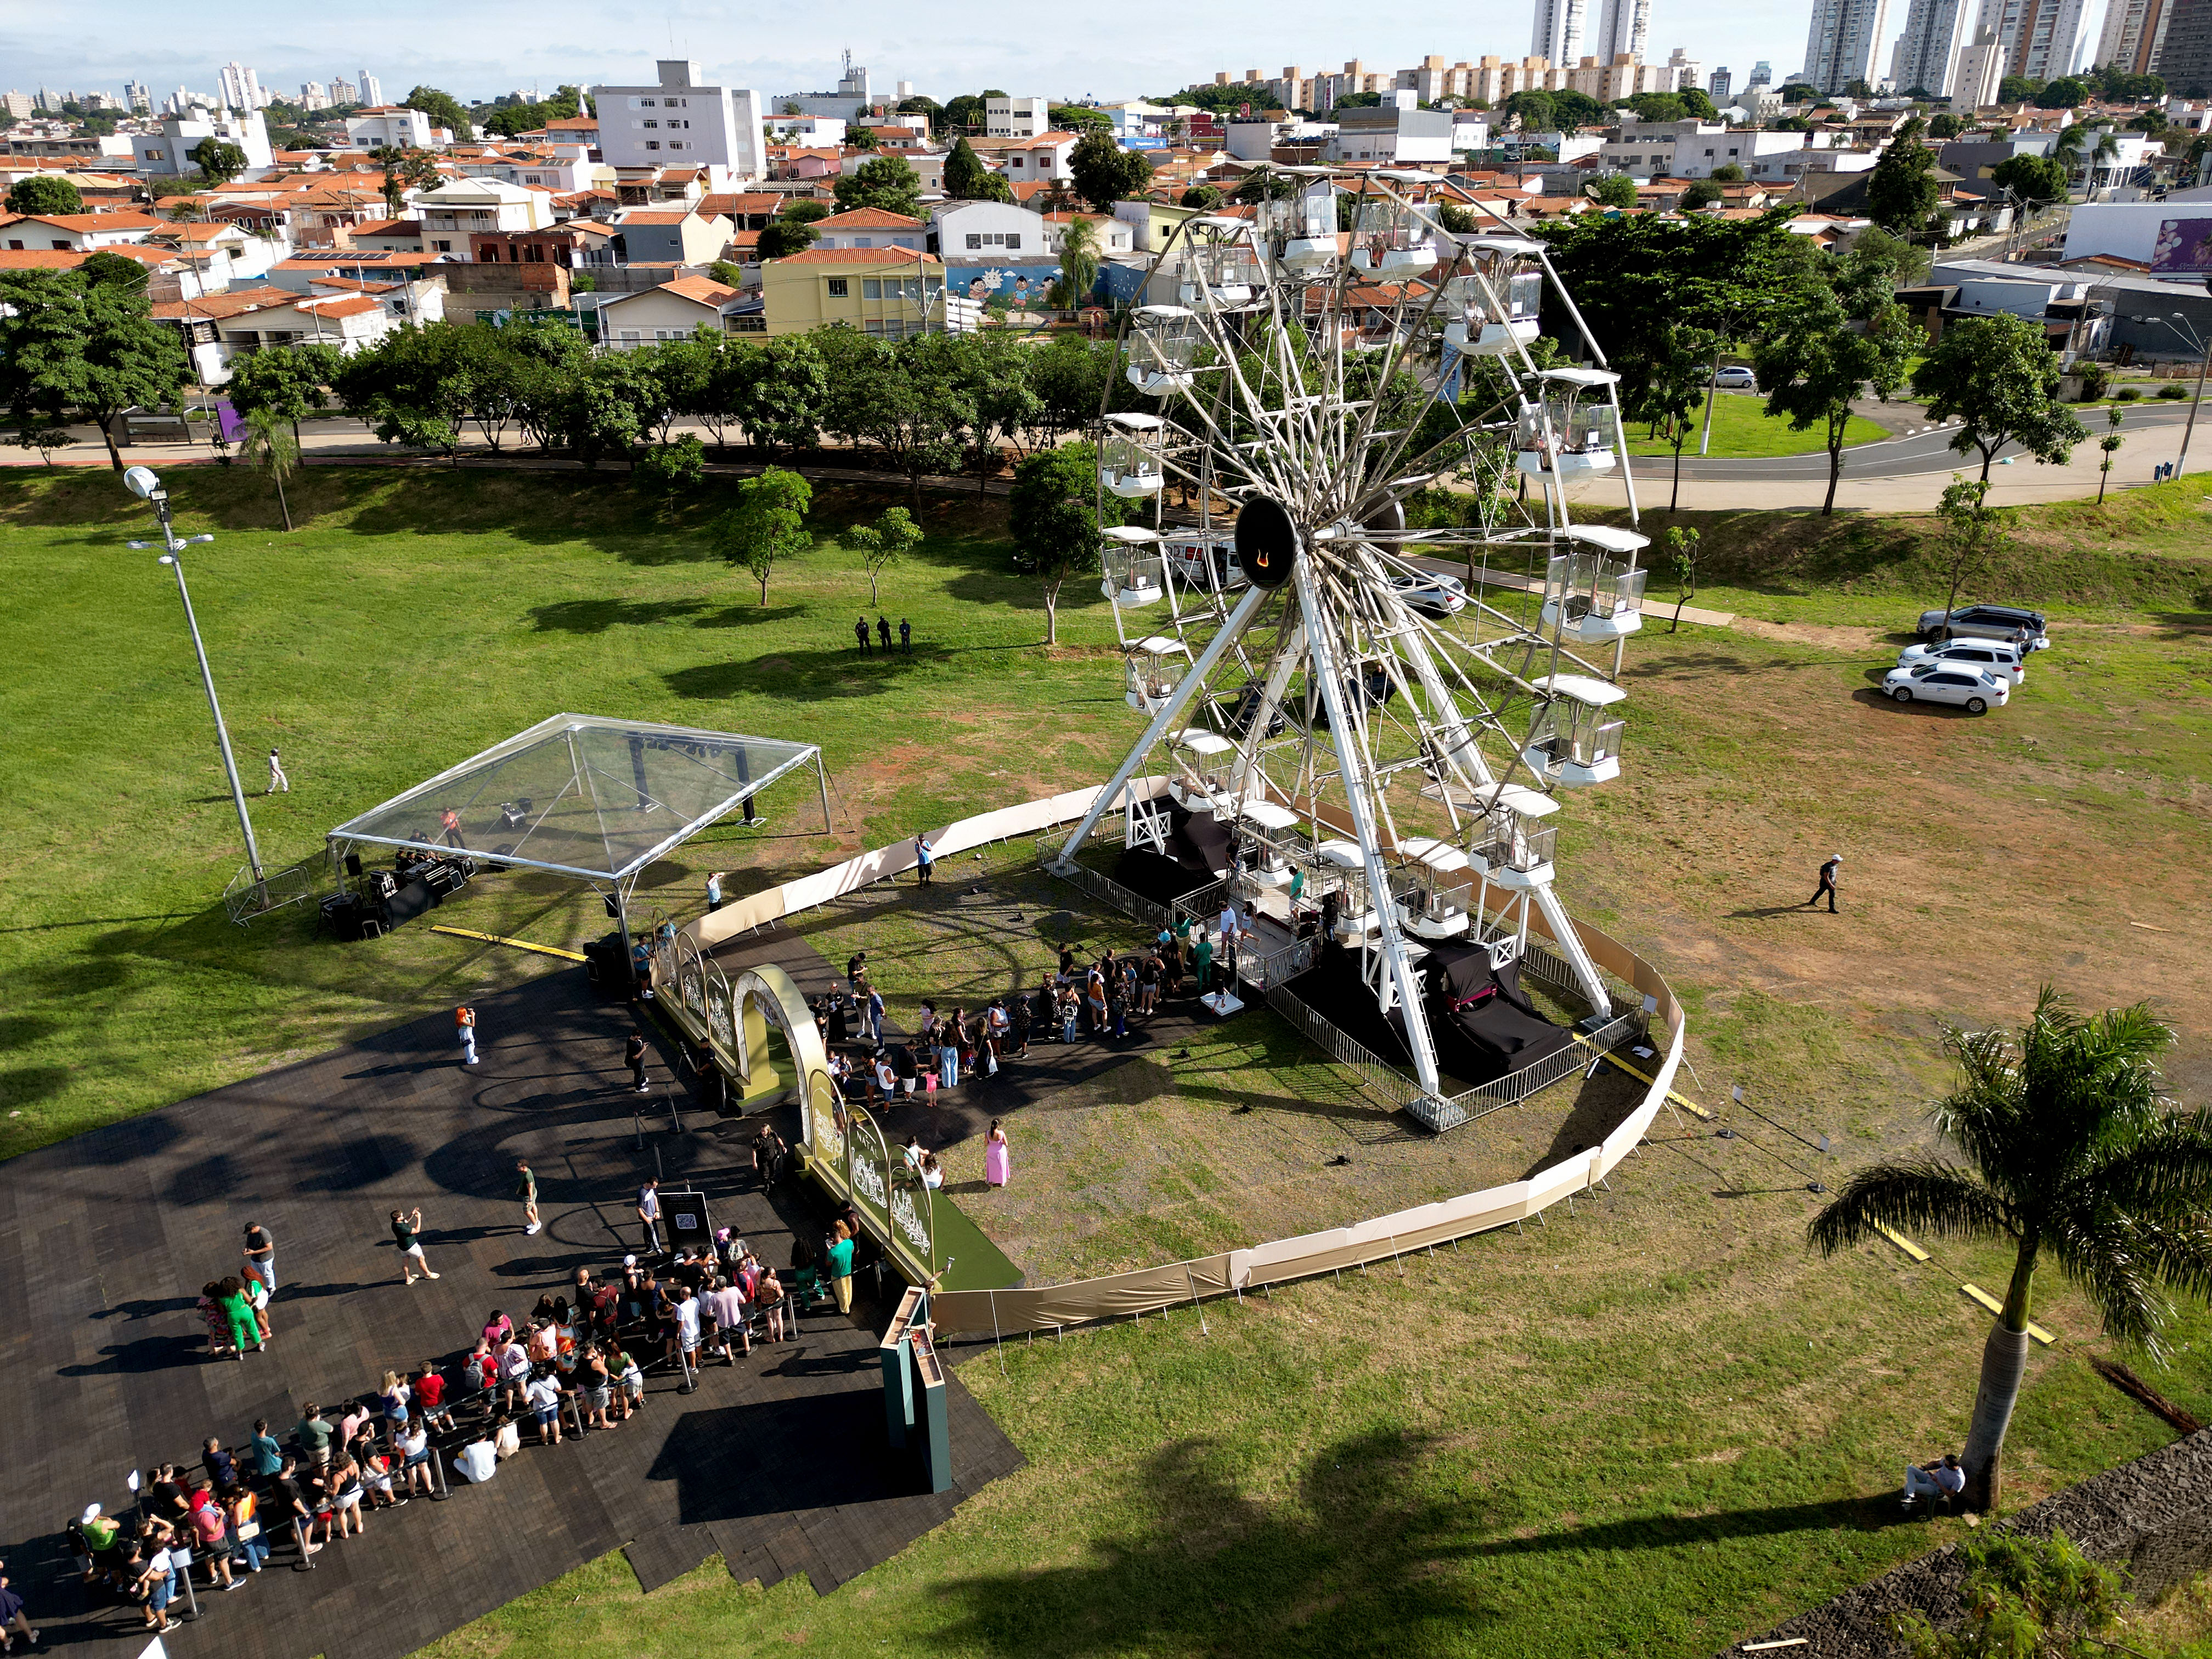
597, 616
802, 676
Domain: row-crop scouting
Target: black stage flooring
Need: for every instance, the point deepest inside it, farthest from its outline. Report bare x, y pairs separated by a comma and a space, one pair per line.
779, 1465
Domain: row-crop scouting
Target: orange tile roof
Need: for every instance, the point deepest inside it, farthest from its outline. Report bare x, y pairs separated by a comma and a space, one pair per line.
343, 306
867, 219
86, 222
39, 259
214, 307
654, 218
858, 256
704, 290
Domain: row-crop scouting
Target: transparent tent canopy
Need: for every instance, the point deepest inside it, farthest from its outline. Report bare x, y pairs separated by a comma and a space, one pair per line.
582, 795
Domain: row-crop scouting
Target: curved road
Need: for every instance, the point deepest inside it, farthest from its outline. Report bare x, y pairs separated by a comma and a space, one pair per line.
1922, 452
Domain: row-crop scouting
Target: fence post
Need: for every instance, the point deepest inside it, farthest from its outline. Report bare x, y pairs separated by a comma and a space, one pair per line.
438, 1467
689, 1385
305, 1563
184, 1574
1204, 1329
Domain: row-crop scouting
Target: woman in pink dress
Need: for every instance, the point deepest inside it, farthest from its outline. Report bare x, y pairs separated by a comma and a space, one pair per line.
995, 1156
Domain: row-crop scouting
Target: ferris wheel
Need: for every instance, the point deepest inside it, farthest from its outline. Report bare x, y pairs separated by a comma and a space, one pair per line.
1369, 732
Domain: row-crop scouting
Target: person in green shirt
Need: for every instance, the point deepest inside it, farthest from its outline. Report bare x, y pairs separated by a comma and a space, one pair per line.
840, 1257
1204, 956
268, 1455
526, 1188
313, 1435
406, 1225
99, 1529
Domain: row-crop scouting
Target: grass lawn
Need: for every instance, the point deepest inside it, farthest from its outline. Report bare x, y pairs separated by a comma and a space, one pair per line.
1650, 1427
1742, 431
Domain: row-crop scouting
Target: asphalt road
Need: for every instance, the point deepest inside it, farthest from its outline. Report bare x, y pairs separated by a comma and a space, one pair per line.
1915, 453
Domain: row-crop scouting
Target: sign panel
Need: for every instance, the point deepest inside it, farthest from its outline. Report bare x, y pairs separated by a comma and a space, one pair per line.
2183, 245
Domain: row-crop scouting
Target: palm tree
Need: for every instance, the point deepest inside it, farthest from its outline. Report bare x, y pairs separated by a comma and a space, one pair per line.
2070, 1152
270, 445
389, 156
2066, 149
1078, 260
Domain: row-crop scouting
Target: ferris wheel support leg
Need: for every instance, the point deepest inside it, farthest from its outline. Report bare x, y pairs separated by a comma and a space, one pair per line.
1271, 699
1187, 688
1352, 769
1571, 946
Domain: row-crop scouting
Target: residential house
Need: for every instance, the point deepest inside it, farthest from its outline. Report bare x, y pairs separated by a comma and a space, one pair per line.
402, 129
871, 227
1389, 137
520, 270
242, 256
385, 235
1015, 118
577, 132
167, 153
681, 119
454, 211
1115, 235
1043, 158
80, 233
670, 311
888, 292
806, 131
749, 209
666, 236
928, 165
222, 328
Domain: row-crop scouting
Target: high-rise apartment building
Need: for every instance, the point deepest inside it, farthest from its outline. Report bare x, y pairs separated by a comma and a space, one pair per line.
1559, 29
239, 86
1721, 85
135, 93
679, 123
2044, 39
2134, 35
1762, 75
18, 104
1841, 44
2184, 59
372, 92
1622, 26
1979, 71
1926, 57
343, 91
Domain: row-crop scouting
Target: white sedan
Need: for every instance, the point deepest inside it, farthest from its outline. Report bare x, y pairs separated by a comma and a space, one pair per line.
1972, 689
1437, 594
2003, 660
1736, 377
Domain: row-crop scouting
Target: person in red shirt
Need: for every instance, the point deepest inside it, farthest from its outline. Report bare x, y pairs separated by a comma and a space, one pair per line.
430, 1397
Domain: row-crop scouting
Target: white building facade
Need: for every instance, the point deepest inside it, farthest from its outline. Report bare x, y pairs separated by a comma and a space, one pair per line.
1926, 55
167, 153
1841, 44
679, 121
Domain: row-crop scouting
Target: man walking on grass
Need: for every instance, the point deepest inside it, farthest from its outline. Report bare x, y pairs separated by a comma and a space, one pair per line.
277, 778
526, 1188
1828, 874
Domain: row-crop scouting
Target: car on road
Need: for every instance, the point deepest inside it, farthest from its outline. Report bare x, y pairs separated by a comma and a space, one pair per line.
1986, 622
1736, 377
1974, 689
1992, 655
1432, 592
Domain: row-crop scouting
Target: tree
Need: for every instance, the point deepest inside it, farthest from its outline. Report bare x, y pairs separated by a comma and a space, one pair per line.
2070, 1153
861, 139
727, 274
1973, 537
1077, 117
218, 162
1265, 184
1816, 358
966, 179
672, 469
884, 542
963, 114
1703, 193
781, 238
1902, 191
44, 193
1668, 395
805, 211
1530, 111
2034, 179
44, 436
2018, 89
2025, 1597
1658, 106
1612, 190
1943, 124
1908, 262
1080, 257
767, 527
1204, 197
83, 344
270, 446
1051, 513
1699, 103
443, 109
286, 381
1998, 378
2065, 93
403, 170
1104, 173
1681, 542
2110, 443
888, 183
782, 388
1729, 174
992, 368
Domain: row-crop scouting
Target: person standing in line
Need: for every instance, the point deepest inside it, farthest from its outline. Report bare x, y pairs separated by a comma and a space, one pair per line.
884, 633
1828, 874
526, 1188
406, 1226
261, 1255
464, 1027
714, 891
1202, 952
277, 778
634, 1057
861, 633
923, 858
839, 1259
874, 1016
648, 1214
450, 821
905, 636
997, 1159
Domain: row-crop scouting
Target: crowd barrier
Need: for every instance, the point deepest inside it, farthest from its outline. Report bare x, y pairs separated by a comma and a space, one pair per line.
1152, 1289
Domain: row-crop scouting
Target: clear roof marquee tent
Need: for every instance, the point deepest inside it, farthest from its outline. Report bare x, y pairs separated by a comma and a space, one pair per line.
579, 795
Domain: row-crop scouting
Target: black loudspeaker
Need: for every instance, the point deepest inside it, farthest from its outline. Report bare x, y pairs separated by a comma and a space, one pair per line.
614, 910
685, 1214
1268, 542
353, 866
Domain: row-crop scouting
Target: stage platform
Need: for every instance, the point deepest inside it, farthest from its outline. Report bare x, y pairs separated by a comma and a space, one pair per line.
779, 1465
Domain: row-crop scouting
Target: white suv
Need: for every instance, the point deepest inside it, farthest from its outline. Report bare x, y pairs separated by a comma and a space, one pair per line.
1972, 689
2002, 659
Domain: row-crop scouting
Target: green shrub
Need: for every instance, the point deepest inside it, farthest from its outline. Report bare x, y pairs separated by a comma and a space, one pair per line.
2127, 394
2172, 391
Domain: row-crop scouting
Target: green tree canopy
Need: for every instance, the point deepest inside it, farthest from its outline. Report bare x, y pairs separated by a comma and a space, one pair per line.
2033, 178
966, 179
286, 381
883, 543
1052, 512
887, 182
1945, 126
1659, 107
2065, 93
768, 525
44, 193
1700, 104
1533, 110
2071, 1153
1998, 378
1823, 349
1902, 191
1204, 197
218, 162
1702, 192
1104, 173
81, 345
1223, 99
1612, 190
781, 238
443, 109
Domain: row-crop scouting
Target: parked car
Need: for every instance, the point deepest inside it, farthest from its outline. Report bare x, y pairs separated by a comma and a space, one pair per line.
1736, 377
1992, 655
1986, 622
1435, 594
1970, 689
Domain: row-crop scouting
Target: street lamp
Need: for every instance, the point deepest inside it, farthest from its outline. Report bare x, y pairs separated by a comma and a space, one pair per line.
2180, 324
144, 484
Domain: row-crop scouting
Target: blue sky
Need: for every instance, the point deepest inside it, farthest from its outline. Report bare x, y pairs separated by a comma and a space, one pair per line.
490, 47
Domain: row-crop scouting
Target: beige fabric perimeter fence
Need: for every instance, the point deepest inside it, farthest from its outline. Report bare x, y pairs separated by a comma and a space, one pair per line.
1148, 1290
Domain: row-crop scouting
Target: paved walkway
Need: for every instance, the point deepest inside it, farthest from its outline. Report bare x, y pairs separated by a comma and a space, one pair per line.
780, 1464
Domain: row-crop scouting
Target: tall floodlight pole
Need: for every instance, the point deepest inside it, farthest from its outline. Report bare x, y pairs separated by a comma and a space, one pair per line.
144, 484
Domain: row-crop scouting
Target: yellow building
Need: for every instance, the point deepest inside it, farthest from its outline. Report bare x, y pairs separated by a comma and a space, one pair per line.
888, 292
